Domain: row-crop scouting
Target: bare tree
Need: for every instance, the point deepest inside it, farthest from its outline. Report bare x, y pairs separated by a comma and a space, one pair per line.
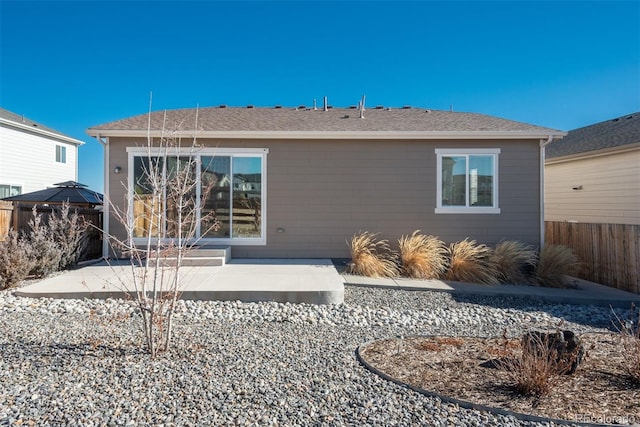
164, 210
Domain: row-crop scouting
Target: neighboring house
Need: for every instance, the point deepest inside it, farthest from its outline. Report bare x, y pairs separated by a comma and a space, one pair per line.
593, 174
592, 192
32, 156
319, 176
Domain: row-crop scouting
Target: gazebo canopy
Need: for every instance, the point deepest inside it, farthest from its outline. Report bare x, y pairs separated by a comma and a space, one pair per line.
71, 192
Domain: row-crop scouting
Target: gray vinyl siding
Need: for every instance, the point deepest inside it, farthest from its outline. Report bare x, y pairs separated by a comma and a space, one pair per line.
321, 192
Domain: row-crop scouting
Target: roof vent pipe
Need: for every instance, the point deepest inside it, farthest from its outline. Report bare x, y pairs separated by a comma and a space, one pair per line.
362, 107
315, 107
325, 106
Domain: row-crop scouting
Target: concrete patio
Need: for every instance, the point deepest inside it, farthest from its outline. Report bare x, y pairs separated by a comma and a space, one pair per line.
312, 281
309, 281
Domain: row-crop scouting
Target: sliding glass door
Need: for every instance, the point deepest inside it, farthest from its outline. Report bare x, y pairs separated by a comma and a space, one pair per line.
224, 195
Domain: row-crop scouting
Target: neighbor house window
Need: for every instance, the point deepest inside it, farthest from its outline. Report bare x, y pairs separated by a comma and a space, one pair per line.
229, 190
61, 154
467, 181
9, 190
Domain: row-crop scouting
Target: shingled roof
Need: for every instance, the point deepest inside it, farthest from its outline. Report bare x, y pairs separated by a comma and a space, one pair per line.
609, 134
21, 122
280, 122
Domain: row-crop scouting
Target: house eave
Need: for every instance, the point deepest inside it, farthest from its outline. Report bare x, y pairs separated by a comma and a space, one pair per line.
405, 135
42, 132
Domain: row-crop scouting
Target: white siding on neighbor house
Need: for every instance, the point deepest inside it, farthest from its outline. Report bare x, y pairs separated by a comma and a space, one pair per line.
610, 190
29, 160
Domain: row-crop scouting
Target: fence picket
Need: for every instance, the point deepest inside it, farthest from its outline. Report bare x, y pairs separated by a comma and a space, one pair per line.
610, 253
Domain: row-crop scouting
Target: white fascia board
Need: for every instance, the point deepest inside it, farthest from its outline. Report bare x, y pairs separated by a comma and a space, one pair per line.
33, 129
329, 134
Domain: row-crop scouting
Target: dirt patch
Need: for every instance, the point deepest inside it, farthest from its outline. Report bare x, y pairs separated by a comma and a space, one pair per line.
463, 368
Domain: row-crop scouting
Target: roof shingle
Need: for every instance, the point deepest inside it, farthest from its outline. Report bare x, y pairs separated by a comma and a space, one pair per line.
309, 120
613, 133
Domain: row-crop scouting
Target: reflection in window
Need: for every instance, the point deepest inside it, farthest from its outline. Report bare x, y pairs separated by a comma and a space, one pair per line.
146, 209
467, 180
230, 189
247, 188
480, 180
216, 195
453, 181
180, 189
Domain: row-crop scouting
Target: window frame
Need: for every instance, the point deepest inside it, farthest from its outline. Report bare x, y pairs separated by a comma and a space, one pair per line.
198, 153
12, 186
61, 154
467, 152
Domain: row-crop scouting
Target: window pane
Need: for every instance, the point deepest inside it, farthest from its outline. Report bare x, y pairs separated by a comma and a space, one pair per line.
180, 190
247, 190
480, 180
216, 195
4, 191
15, 190
454, 180
145, 173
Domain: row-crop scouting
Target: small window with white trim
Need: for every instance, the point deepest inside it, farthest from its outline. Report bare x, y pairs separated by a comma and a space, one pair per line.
61, 154
7, 190
467, 181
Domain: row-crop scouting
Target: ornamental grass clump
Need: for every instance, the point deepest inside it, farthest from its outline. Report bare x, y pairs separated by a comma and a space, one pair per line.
371, 257
471, 262
514, 262
422, 257
555, 264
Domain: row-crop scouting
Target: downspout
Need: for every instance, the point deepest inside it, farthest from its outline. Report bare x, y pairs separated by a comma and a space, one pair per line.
105, 201
543, 144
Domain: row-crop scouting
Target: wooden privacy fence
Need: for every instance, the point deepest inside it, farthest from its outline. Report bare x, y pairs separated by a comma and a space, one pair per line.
610, 253
6, 212
18, 215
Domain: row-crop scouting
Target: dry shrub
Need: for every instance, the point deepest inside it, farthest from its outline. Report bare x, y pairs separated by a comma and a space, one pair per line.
629, 330
45, 252
514, 262
531, 366
472, 263
370, 257
422, 257
70, 233
555, 263
15, 260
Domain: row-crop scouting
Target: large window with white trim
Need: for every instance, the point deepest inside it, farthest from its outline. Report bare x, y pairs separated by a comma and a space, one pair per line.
467, 181
228, 196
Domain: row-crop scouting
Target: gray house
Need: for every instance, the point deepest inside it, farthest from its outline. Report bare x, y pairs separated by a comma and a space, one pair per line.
311, 178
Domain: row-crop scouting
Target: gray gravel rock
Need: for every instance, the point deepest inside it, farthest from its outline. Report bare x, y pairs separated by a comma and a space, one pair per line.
78, 362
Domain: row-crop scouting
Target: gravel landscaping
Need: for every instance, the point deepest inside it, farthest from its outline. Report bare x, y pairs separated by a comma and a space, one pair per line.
78, 362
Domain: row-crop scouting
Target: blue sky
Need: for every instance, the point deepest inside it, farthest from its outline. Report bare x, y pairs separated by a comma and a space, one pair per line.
71, 65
